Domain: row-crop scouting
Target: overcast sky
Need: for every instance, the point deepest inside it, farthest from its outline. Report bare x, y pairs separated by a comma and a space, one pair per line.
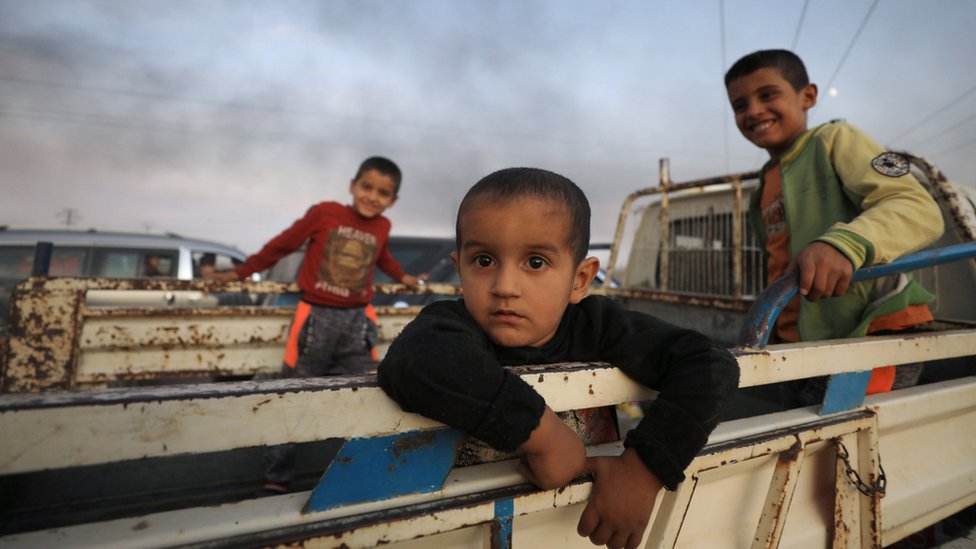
227, 120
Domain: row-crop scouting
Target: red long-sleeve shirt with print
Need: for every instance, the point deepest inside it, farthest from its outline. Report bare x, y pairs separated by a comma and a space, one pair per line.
342, 249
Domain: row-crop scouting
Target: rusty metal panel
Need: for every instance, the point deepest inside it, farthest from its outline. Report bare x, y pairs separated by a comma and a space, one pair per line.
741, 457
56, 342
779, 497
927, 445
847, 506
962, 216
43, 338
868, 467
164, 346
196, 418
759, 473
665, 526
801, 360
665, 185
102, 368
738, 223
681, 299
697, 246
63, 430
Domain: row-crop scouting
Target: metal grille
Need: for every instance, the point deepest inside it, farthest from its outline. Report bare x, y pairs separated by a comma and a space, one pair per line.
701, 254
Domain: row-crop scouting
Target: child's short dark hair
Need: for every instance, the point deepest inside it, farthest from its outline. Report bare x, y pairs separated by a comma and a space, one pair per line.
512, 183
383, 165
789, 65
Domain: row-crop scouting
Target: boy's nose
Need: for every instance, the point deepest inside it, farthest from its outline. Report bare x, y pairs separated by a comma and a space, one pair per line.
506, 282
753, 108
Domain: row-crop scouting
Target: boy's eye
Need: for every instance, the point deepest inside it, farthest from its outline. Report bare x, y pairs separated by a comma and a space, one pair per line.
535, 263
483, 261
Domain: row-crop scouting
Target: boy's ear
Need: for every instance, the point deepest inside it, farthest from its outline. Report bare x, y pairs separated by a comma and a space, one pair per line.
584, 276
808, 95
454, 260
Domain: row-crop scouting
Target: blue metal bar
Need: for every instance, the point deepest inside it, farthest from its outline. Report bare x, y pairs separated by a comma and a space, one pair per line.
763, 313
501, 526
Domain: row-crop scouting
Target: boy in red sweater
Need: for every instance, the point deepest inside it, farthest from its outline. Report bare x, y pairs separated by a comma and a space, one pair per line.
332, 333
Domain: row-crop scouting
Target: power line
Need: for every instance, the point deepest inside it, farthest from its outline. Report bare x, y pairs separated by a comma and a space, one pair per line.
799, 24
947, 129
157, 96
954, 148
939, 111
282, 138
864, 22
146, 125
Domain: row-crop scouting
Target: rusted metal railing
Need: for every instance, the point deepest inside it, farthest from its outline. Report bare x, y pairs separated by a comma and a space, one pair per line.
699, 271
57, 342
709, 271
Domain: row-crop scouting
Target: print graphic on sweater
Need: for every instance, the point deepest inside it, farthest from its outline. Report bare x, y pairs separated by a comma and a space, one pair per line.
774, 216
348, 258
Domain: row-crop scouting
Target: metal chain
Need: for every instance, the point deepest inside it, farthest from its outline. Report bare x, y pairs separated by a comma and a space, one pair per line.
879, 486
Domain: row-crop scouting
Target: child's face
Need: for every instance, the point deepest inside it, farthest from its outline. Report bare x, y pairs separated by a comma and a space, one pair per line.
768, 111
372, 193
517, 270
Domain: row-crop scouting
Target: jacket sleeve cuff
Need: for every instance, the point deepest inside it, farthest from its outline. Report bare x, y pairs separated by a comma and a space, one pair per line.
666, 441
512, 416
855, 248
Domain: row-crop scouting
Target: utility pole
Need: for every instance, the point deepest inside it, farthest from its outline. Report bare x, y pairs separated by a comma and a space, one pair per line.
69, 216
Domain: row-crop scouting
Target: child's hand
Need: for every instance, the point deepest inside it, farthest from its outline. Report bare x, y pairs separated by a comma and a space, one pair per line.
620, 505
414, 282
824, 271
553, 455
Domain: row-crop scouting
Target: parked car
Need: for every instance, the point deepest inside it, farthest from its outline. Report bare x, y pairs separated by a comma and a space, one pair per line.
93, 253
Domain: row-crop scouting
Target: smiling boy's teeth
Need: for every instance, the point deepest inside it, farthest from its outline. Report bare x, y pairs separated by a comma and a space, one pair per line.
763, 125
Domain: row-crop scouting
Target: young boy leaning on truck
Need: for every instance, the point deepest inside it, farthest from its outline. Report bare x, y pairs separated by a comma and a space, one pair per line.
830, 200
522, 238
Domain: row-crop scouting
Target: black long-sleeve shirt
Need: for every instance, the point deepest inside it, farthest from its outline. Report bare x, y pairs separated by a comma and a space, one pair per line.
443, 366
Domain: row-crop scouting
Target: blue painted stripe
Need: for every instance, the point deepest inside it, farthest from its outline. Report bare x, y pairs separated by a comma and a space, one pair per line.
845, 391
378, 468
502, 529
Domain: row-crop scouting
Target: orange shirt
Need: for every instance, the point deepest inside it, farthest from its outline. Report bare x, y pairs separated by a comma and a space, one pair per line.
778, 249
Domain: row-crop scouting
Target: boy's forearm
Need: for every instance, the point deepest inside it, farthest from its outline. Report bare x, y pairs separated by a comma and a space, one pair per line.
553, 455
666, 442
438, 369
677, 423
543, 436
281, 245
888, 231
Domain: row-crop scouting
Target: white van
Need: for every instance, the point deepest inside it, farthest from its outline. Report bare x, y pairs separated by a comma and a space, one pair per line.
92, 253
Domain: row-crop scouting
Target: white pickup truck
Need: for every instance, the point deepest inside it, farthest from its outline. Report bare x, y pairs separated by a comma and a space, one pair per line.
82, 465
